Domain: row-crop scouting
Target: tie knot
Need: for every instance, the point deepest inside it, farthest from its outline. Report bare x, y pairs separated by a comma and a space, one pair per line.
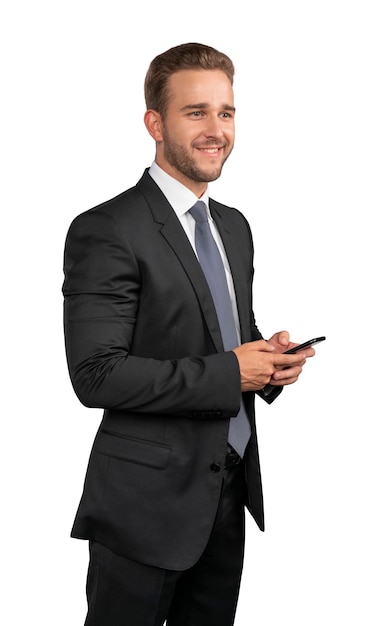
199, 211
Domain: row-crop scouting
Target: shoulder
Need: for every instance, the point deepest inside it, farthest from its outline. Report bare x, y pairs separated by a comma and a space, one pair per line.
116, 211
114, 208
231, 217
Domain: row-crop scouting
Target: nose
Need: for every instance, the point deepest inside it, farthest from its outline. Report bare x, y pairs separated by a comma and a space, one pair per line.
213, 127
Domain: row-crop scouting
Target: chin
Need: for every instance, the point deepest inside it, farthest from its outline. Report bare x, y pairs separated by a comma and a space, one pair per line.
208, 177
202, 175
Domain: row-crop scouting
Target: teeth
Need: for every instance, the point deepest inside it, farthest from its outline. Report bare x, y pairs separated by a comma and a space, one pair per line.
210, 150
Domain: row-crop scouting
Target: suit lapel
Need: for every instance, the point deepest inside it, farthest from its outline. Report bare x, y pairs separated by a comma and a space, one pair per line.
238, 272
175, 236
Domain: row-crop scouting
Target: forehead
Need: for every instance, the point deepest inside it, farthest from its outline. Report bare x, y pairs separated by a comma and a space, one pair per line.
196, 86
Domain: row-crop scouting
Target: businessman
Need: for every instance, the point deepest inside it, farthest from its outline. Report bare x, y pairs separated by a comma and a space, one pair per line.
160, 333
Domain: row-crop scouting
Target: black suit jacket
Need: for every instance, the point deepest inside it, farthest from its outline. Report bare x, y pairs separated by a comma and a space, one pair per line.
143, 343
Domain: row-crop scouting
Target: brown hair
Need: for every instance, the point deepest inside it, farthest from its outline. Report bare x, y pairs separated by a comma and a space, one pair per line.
184, 57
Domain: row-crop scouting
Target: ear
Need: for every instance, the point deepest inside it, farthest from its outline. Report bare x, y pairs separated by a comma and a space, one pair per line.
153, 123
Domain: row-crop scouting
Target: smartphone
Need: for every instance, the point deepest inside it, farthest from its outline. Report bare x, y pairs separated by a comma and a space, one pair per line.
304, 345
268, 388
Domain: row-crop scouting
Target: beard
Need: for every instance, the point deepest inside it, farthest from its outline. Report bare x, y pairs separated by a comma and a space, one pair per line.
179, 157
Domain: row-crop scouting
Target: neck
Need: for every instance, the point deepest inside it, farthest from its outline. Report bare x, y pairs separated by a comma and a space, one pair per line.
198, 188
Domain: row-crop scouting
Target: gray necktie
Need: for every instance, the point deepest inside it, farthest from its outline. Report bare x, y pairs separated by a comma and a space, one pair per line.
214, 271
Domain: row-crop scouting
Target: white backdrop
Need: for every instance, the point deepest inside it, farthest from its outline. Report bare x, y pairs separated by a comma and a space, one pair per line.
72, 136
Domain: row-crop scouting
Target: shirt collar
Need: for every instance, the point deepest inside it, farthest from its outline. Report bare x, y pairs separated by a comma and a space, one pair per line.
180, 197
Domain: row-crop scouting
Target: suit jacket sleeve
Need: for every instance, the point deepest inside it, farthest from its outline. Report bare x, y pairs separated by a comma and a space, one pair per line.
102, 290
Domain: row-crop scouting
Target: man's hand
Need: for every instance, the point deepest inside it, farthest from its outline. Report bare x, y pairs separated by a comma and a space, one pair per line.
262, 362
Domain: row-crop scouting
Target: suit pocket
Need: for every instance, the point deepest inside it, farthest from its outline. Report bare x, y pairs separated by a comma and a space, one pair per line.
119, 446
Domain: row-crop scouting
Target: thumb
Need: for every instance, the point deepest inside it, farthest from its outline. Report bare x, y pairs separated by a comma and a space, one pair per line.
263, 346
283, 338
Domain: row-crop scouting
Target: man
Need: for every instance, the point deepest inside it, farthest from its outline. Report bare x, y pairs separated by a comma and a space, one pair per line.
149, 339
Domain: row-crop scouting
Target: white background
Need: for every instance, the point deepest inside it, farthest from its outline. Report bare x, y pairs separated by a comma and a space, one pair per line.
72, 136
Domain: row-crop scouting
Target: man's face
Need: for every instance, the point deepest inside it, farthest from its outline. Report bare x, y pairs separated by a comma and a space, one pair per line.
198, 130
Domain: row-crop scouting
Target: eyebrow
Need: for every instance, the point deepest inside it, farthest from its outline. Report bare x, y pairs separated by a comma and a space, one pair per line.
206, 105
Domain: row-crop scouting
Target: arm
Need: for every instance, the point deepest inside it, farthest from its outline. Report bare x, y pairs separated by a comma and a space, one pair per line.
102, 290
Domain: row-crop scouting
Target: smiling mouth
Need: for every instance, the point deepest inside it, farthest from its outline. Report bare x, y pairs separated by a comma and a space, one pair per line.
212, 151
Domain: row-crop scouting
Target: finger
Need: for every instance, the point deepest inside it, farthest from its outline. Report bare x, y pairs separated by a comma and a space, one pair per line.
288, 375
260, 345
283, 338
264, 346
289, 360
309, 352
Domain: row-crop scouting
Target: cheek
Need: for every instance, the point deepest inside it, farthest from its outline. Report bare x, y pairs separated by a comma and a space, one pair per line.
173, 133
230, 134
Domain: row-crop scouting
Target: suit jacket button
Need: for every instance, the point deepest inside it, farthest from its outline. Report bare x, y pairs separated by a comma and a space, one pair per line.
215, 467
